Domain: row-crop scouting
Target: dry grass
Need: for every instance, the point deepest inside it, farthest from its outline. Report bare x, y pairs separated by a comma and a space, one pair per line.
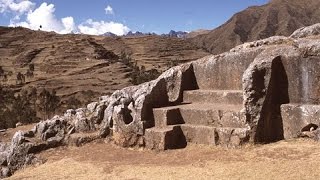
72, 65
298, 159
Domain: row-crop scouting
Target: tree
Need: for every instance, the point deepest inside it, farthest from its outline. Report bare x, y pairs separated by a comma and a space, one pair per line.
23, 110
141, 75
31, 67
29, 73
1, 71
6, 100
48, 102
17, 107
2, 108
73, 103
20, 78
126, 58
5, 78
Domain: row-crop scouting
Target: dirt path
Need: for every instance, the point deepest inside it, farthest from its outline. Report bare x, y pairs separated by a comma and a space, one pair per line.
298, 159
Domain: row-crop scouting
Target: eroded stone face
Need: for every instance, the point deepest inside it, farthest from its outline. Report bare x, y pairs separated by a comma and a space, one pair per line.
307, 31
223, 71
303, 79
296, 117
281, 75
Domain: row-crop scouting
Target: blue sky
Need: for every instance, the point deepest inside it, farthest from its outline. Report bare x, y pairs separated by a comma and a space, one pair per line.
120, 16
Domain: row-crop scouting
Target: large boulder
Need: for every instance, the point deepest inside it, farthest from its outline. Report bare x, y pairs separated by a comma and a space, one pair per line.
18, 153
286, 73
129, 111
307, 31
4, 172
51, 128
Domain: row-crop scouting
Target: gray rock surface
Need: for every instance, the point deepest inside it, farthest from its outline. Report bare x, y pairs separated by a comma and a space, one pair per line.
307, 31
4, 147
4, 172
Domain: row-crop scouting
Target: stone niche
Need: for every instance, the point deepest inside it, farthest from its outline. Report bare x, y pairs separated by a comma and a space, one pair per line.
264, 96
303, 111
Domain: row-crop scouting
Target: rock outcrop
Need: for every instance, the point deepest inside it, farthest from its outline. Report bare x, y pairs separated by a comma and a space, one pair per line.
307, 31
248, 94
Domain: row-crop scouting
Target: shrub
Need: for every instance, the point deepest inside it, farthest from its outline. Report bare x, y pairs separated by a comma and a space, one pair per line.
16, 108
138, 74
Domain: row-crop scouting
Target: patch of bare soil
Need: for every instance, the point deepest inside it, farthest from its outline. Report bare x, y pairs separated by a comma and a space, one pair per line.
7, 135
297, 159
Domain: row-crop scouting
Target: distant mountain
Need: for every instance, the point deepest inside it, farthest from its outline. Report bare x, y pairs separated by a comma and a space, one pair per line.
138, 33
109, 34
197, 32
177, 34
172, 33
278, 17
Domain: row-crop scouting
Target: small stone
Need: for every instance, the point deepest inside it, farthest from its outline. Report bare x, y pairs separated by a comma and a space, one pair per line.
317, 135
5, 172
19, 124
28, 134
3, 158
235, 141
92, 106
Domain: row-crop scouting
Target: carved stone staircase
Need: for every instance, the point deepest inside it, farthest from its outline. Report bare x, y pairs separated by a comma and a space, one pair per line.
210, 117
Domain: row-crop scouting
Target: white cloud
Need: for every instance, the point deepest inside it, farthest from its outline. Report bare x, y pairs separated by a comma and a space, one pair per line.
19, 7
109, 10
68, 24
44, 16
101, 27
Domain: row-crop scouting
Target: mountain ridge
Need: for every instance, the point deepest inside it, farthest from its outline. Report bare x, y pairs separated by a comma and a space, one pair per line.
278, 17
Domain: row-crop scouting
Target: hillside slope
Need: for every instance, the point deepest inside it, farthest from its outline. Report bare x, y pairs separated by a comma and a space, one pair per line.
278, 17
83, 66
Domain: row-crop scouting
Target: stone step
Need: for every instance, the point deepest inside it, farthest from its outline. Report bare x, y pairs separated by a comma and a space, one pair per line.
234, 137
167, 116
177, 136
209, 135
170, 137
218, 115
199, 134
214, 96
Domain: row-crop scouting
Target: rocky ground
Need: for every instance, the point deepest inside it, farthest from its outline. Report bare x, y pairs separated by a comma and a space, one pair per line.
296, 159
